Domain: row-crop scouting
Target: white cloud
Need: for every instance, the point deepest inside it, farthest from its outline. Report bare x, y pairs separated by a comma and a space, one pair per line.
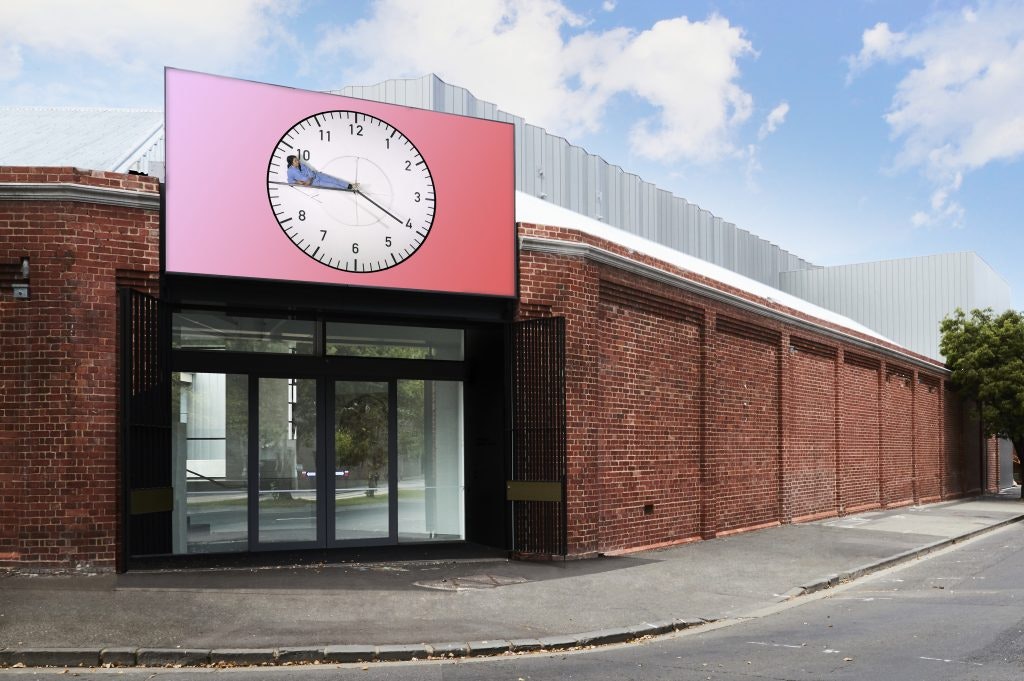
536, 59
688, 71
130, 36
608, 5
960, 106
773, 120
878, 43
752, 169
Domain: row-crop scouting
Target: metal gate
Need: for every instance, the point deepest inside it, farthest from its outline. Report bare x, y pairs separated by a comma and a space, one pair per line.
145, 423
536, 486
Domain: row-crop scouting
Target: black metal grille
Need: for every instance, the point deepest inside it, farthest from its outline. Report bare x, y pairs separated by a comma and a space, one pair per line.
539, 447
146, 421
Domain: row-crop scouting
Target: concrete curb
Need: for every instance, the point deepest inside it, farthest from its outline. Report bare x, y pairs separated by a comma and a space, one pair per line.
833, 580
340, 654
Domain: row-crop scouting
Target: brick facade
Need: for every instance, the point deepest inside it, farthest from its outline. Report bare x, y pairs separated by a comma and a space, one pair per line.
689, 415
58, 365
711, 418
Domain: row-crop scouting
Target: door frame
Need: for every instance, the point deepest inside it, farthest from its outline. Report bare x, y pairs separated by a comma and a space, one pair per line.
328, 427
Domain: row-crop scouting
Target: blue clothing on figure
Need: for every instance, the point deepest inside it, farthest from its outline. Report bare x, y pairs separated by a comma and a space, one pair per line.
307, 176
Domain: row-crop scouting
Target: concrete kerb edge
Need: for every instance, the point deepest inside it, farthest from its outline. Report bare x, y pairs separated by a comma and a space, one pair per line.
833, 580
341, 654
163, 657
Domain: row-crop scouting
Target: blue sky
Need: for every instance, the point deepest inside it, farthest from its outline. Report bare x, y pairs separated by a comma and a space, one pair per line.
842, 130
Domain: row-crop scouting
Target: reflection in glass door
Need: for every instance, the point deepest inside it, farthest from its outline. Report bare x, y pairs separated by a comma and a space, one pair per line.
362, 461
431, 496
287, 485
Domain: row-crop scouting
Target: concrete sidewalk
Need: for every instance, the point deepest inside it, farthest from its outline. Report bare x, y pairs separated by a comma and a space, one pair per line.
353, 612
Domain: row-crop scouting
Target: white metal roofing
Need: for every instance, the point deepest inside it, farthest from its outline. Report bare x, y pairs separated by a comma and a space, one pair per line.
98, 139
531, 209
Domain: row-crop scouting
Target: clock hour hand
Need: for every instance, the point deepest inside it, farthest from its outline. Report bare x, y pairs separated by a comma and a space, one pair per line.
392, 215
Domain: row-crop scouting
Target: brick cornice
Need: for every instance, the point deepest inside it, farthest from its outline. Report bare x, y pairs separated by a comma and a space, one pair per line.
605, 257
81, 193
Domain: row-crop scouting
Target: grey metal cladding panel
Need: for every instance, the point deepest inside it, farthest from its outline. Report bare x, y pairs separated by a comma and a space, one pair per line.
729, 238
574, 182
435, 93
692, 229
649, 211
672, 225
716, 240
704, 234
747, 251
532, 160
657, 212
990, 289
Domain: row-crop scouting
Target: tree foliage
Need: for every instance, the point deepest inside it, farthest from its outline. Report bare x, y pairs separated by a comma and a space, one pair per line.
985, 353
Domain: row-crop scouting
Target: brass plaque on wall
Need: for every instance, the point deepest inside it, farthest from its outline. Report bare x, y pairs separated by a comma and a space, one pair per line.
152, 500
520, 490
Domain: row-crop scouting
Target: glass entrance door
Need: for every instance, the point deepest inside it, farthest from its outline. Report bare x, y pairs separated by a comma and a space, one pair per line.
286, 501
356, 462
362, 445
361, 461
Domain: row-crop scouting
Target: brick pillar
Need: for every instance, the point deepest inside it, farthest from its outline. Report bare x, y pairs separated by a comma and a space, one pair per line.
942, 439
840, 502
708, 502
882, 501
785, 417
914, 468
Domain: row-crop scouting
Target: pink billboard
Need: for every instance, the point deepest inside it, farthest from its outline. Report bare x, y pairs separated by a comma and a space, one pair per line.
269, 182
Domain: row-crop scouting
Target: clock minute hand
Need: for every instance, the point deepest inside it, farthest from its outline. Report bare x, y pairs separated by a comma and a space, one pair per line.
392, 215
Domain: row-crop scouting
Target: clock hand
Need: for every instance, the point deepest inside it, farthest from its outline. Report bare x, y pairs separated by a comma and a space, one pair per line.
306, 191
295, 185
392, 215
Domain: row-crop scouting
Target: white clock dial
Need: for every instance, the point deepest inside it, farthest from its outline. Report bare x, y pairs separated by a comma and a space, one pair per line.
358, 197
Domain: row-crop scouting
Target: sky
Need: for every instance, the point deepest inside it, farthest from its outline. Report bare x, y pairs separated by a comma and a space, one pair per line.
842, 130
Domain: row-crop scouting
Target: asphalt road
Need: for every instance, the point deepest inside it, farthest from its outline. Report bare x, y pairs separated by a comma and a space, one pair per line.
956, 615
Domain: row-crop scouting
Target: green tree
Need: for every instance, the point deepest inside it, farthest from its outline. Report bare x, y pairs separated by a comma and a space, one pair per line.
985, 353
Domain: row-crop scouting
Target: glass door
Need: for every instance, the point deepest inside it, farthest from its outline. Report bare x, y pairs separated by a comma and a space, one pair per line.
362, 450
355, 462
285, 502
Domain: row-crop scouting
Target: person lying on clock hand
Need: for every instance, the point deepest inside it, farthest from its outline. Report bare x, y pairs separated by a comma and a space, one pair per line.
304, 175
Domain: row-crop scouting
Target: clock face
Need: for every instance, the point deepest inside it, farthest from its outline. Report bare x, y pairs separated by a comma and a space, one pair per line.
357, 195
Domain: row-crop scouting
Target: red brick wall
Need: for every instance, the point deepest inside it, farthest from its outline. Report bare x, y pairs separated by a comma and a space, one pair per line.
743, 403
811, 433
859, 435
928, 434
553, 285
897, 437
992, 465
789, 423
58, 367
676, 401
648, 424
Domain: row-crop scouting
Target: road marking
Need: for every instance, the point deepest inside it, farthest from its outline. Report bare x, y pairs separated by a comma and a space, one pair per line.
951, 662
773, 645
864, 600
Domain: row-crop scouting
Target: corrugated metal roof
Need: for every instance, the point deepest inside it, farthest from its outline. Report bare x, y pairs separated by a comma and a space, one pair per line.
530, 209
116, 140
